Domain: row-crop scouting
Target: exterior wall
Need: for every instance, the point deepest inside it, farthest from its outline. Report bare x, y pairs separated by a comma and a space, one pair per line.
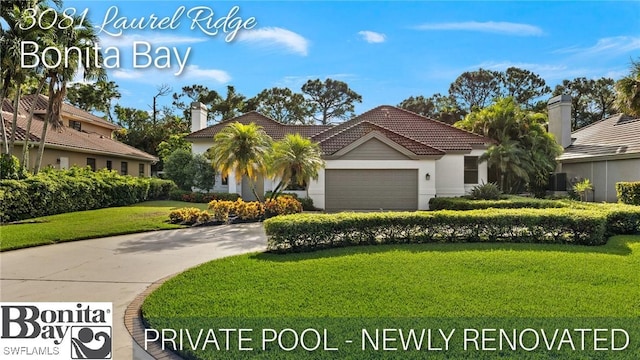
89, 127
51, 156
374, 149
426, 188
604, 175
450, 174
201, 146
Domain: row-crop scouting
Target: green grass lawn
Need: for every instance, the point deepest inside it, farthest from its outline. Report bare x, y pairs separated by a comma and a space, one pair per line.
450, 281
146, 216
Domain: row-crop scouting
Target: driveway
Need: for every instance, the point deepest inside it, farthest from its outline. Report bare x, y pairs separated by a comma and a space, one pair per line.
116, 269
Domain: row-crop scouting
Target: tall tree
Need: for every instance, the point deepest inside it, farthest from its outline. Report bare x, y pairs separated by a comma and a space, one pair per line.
475, 90
94, 97
523, 86
162, 90
230, 106
241, 149
437, 106
83, 37
283, 105
196, 93
294, 160
524, 154
591, 100
332, 99
628, 91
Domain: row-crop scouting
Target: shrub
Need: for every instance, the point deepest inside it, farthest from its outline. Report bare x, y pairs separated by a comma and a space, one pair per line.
306, 232
282, 205
488, 191
512, 202
203, 198
249, 211
307, 204
76, 189
628, 192
188, 216
10, 168
582, 188
221, 209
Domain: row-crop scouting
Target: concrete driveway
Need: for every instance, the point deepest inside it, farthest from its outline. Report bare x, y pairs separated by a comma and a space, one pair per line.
116, 269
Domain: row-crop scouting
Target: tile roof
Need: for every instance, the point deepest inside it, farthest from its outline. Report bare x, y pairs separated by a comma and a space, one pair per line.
67, 110
75, 140
614, 136
419, 134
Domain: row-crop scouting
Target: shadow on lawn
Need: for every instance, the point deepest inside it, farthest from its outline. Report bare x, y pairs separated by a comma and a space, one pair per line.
617, 245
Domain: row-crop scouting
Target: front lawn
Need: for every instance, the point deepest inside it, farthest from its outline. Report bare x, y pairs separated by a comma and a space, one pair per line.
146, 216
365, 285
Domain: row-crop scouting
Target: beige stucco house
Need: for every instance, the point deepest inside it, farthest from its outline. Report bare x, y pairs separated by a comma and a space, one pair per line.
83, 140
605, 152
386, 158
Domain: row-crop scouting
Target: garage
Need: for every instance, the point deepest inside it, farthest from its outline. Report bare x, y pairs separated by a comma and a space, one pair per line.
371, 189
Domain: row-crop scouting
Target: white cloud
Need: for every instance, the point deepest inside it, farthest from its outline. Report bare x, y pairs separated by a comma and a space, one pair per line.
278, 38
295, 82
372, 37
191, 72
498, 27
153, 39
611, 45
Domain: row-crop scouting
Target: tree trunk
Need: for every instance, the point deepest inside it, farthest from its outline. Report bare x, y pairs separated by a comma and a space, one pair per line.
25, 146
47, 118
14, 122
5, 143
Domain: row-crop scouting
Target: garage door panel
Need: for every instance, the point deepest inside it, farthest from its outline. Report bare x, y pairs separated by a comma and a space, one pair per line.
371, 189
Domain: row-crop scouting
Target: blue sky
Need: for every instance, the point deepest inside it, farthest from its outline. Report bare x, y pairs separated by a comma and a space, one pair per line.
386, 51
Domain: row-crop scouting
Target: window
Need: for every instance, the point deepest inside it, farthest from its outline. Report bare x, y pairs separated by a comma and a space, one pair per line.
109, 165
225, 180
92, 163
75, 125
470, 169
141, 170
124, 168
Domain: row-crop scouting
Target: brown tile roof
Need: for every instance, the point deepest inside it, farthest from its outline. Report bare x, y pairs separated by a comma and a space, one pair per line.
618, 135
273, 128
74, 140
67, 110
420, 135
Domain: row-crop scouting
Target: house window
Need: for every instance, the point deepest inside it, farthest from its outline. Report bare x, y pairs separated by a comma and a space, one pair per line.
109, 165
141, 170
124, 168
92, 163
75, 125
225, 180
470, 169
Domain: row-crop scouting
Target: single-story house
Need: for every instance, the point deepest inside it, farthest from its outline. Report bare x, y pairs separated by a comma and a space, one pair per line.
386, 158
605, 152
83, 140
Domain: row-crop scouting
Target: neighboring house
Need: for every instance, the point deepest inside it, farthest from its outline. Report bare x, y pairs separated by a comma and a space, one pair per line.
84, 139
605, 152
387, 158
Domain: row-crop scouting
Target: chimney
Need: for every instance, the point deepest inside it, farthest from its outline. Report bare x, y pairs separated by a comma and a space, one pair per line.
198, 116
559, 108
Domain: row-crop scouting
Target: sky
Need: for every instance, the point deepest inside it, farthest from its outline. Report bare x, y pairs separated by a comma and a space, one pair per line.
385, 51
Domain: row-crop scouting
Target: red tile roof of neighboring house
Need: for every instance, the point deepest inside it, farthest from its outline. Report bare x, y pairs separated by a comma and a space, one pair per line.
419, 134
74, 140
67, 110
618, 135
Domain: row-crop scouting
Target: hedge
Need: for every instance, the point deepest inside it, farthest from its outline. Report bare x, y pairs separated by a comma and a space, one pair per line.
305, 232
202, 198
628, 192
512, 202
76, 189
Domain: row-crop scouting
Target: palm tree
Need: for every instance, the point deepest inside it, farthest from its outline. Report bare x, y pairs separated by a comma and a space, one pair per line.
628, 91
241, 149
507, 159
82, 36
294, 160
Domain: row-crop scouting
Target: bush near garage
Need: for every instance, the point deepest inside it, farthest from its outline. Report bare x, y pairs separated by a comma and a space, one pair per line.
628, 192
305, 232
60, 191
511, 202
200, 197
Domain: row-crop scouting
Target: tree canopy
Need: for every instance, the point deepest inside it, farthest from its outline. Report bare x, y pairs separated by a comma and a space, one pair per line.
331, 99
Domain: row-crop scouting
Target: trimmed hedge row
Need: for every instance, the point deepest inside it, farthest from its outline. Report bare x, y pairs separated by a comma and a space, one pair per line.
202, 198
512, 202
628, 192
296, 233
76, 189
